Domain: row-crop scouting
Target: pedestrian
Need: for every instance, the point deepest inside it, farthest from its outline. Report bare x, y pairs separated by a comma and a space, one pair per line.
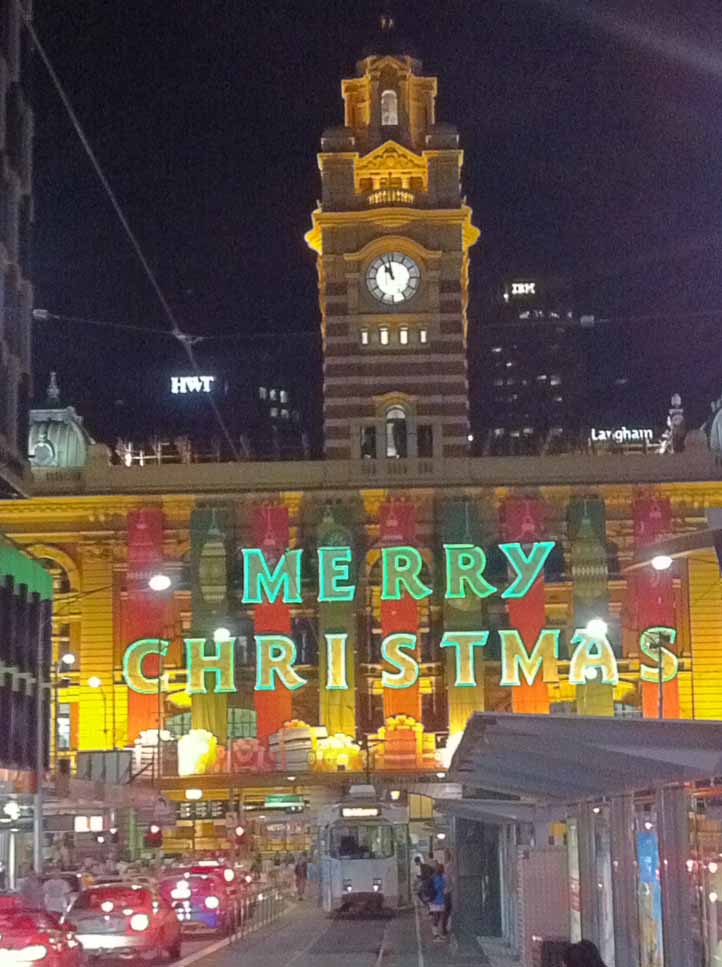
448, 896
30, 888
437, 904
424, 876
583, 954
300, 872
56, 892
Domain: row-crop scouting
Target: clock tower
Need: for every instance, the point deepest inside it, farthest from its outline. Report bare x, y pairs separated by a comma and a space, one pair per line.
392, 235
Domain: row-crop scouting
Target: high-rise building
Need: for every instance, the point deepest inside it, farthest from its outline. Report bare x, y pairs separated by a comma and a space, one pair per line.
532, 360
392, 236
16, 215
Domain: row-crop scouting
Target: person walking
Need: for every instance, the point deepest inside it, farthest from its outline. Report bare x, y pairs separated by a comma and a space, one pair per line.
30, 889
424, 876
300, 872
56, 891
583, 954
437, 904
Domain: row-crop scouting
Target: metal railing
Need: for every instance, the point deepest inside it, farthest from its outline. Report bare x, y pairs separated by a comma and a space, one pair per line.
260, 906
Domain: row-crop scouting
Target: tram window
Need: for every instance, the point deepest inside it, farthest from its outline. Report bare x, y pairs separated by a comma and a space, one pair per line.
367, 842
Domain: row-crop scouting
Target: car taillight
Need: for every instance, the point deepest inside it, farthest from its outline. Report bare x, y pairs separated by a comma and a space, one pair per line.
28, 955
212, 902
139, 922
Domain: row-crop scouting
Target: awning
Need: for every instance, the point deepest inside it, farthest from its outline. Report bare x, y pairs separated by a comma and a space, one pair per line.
502, 811
550, 759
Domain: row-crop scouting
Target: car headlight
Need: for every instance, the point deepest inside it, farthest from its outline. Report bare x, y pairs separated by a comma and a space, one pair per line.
212, 902
139, 922
32, 954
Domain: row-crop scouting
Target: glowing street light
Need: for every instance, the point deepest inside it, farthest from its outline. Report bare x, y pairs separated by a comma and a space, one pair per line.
67, 659
95, 682
159, 582
597, 627
661, 562
221, 634
193, 795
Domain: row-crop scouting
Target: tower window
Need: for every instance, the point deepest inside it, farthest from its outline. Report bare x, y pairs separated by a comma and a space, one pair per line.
368, 442
364, 337
423, 336
404, 336
396, 432
389, 108
284, 396
262, 392
425, 440
274, 412
384, 335
273, 394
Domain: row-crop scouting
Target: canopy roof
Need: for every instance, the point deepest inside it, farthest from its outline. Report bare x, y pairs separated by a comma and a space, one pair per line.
547, 759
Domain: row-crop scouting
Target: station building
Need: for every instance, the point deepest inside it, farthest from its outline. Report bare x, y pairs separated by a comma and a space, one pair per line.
406, 585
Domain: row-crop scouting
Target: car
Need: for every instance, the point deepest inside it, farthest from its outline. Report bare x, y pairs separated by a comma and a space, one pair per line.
29, 936
125, 920
202, 900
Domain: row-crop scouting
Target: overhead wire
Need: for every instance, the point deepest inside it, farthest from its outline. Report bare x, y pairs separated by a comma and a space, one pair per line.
176, 331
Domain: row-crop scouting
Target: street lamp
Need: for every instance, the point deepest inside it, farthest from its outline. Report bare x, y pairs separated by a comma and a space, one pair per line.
221, 634
160, 581
597, 627
661, 562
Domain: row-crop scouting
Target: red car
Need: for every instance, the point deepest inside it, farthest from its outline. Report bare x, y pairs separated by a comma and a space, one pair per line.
30, 936
125, 920
202, 899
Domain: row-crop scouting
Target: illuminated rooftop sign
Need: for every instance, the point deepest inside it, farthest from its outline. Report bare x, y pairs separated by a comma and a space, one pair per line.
182, 385
523, 288
621, 434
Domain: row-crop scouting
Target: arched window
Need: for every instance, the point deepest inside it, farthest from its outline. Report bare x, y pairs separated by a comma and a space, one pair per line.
389, 108
396, 432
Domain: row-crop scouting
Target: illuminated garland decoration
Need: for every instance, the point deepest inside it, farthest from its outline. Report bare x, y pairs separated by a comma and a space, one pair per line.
400, 613
588, 543
522, 519
270, 533
144, 610
209, 604
652, 596
337, 689
460, 524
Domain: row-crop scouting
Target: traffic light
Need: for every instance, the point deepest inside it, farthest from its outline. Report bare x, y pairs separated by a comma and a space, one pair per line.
239, 836
153, 838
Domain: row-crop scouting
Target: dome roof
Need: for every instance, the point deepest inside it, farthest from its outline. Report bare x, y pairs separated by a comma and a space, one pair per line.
57, 437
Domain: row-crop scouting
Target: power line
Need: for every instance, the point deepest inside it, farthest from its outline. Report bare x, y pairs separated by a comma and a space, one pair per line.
176, 331
44, 315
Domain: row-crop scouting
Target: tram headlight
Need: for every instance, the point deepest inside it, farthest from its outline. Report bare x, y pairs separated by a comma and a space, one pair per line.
347, 886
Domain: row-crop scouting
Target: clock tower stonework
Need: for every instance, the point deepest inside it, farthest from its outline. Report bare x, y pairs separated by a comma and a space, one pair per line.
392, 235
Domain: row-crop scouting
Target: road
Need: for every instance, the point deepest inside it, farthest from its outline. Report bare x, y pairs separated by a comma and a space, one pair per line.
305, 937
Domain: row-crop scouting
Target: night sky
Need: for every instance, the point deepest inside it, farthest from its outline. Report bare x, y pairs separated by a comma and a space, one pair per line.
593, 145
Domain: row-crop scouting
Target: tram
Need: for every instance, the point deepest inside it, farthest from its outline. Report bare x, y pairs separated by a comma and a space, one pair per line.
364, 853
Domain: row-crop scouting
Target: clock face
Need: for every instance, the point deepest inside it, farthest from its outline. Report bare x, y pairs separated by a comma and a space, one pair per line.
393, 278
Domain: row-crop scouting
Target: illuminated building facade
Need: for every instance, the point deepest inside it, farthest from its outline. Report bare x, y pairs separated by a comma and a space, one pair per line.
405, 584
